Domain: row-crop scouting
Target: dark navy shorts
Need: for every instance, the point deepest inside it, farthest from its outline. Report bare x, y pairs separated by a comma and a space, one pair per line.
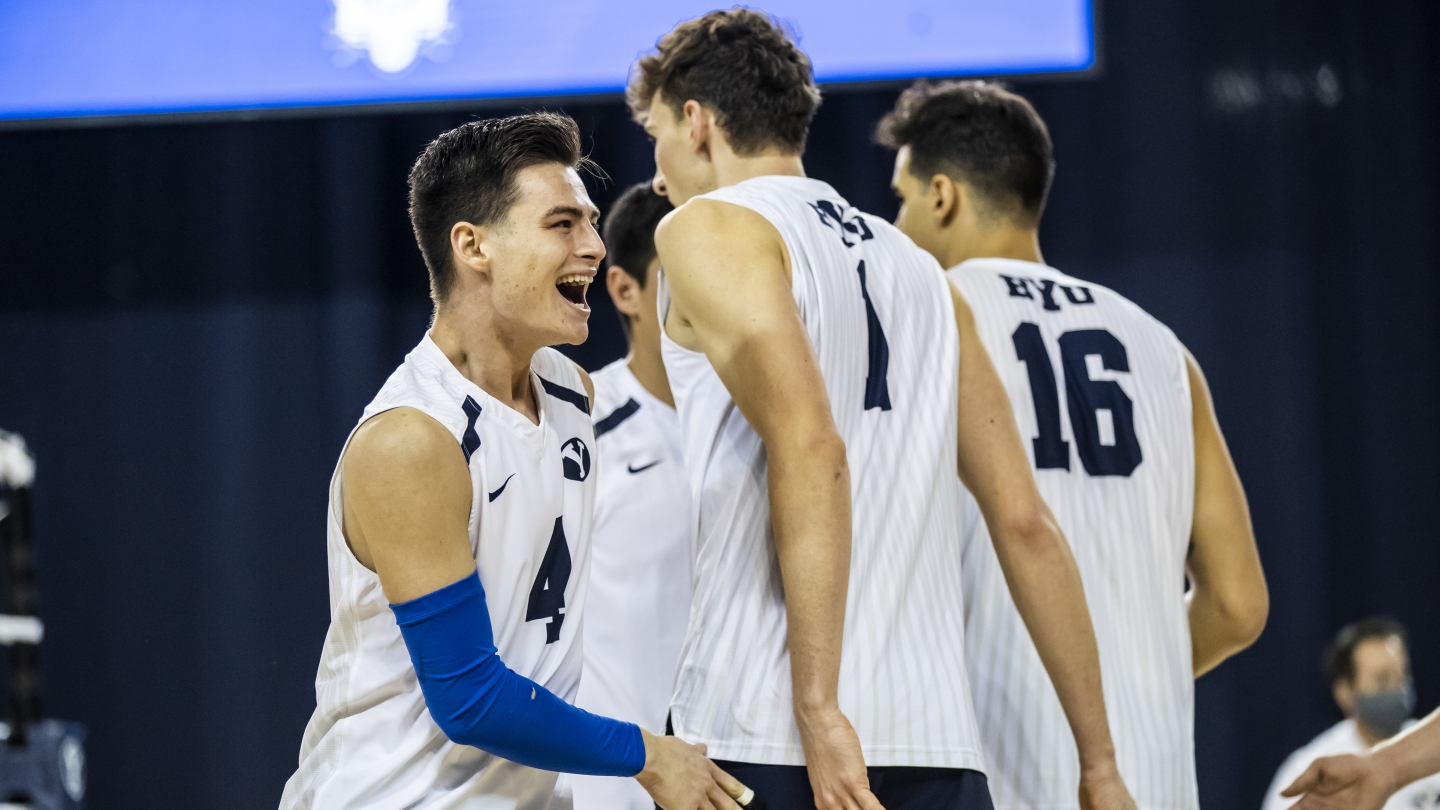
787, 787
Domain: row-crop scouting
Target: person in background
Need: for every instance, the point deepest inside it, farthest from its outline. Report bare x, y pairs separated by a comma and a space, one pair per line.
644, 535
1369, 669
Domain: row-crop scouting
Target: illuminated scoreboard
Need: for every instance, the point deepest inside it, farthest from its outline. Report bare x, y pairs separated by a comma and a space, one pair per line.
73, 59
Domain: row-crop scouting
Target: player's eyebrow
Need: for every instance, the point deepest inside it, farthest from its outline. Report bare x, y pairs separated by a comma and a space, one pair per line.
574, 211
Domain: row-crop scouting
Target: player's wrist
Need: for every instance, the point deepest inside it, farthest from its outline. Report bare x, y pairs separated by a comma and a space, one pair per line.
1099, 766
816, 712
1385, 769
647, 775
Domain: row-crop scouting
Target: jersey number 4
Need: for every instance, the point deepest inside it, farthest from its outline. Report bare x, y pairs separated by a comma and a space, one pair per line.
1102, 417
547, 595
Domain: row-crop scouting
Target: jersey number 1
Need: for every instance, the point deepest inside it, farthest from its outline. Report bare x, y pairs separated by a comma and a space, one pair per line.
877, 387
547, 595
1093, 404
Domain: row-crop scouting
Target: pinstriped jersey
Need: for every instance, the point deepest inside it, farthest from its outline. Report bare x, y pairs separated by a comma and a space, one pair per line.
639, 599
371, 741
879, 317
1102, 399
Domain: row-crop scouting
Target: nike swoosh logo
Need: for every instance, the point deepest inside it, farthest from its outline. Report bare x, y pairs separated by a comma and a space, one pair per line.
497, 492
634, 470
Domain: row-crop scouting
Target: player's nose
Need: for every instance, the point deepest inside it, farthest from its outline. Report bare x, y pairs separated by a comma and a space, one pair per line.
658, 183
591, 246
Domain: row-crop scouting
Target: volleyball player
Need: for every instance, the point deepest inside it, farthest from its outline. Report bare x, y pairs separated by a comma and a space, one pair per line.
644, 538
813, 352
460, 515
1126, 451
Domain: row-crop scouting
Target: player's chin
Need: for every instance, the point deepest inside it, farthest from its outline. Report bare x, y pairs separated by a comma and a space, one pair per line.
572, 326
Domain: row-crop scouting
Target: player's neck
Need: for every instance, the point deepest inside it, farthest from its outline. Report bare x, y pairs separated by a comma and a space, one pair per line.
1004, 241
649, 369
485, 356
731, 168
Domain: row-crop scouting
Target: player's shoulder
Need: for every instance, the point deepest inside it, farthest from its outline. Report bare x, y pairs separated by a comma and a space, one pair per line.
400, 438
563, 379
703, 218
755, 204
618, 398
426, 381
1014, 279
614, 384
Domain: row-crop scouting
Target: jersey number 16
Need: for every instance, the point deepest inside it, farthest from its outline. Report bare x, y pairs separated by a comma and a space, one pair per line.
1094, 405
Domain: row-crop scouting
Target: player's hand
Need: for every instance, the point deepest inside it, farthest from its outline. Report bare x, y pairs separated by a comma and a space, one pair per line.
678, 776
1103, 789
1345, 782
834, 761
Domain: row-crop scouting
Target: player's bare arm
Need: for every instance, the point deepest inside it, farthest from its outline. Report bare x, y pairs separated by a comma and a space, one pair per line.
1350, 782
406, 507
731, 299
1228, 601
407, 502
1036, 559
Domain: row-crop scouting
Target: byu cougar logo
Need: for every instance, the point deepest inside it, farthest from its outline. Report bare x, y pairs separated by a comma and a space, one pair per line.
575, 458
392, 32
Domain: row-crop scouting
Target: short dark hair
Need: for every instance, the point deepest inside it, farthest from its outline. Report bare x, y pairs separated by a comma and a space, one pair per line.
630, 229
745, 67
468, 175
1339, 659
977, 132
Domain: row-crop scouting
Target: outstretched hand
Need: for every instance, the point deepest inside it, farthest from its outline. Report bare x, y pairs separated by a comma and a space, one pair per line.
678, 776
835, 762
1344, 782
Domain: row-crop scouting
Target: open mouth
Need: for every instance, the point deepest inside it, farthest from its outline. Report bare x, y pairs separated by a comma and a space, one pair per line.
573, 288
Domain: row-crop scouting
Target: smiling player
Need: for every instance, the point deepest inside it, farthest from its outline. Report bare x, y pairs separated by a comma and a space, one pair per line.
460, 515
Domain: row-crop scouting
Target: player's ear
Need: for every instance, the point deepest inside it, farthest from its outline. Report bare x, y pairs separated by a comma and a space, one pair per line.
946, 199
701, 125
473, 247
624, 291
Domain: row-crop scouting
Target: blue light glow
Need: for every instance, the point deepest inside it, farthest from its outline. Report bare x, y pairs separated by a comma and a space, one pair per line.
69, 58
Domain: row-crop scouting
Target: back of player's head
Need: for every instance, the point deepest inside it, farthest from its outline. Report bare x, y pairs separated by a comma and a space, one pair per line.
630, 229
980, 134
744, 67
1340, 655
469, 175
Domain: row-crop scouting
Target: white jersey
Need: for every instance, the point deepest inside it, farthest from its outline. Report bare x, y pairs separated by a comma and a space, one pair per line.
371, 741
880, 318
639, 598
1344, 738
1102, 399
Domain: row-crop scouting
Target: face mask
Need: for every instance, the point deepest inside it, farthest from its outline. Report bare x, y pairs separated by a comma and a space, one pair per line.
1386, 711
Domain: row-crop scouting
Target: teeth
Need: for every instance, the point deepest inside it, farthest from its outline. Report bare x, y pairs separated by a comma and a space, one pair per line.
574, 280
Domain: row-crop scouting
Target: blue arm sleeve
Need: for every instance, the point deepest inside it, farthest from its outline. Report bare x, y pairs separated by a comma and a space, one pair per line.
477, 700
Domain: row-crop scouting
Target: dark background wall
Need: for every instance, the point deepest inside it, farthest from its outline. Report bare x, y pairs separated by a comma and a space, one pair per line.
193, 316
